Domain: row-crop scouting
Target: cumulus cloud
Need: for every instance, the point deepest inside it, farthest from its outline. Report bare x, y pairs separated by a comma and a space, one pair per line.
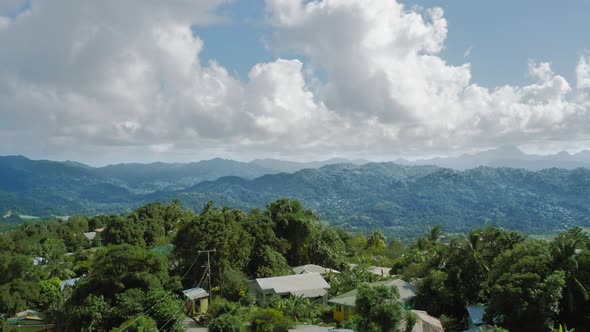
384, 70
101, 80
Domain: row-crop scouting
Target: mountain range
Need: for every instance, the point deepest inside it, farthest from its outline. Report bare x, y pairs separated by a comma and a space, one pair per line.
399, 199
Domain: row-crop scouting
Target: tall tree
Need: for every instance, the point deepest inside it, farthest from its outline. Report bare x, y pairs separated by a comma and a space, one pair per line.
526, 291
220, 229
378, 309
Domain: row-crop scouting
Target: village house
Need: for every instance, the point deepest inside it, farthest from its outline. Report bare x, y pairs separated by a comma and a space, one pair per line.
197, 301
306, 285
27, 321
344, 304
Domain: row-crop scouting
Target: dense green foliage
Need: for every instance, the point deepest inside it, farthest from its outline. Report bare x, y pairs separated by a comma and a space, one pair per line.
400, 200
378, 309
528, 285
132, 274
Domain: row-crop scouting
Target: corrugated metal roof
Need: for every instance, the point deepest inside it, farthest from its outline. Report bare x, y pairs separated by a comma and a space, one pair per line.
312, 268
27, 314
195, 293
90, 235
307, 283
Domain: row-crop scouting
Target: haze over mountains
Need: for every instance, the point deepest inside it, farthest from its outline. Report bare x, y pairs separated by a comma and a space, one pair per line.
508, 156
403, 199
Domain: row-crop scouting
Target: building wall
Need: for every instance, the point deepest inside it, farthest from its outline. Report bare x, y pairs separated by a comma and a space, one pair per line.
342, 312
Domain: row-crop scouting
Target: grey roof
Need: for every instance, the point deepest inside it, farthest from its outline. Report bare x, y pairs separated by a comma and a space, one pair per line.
376, 270
68, 282
306, 285
406, 291
476, 313
425, 322
312, 268
195, 293
90, 235
379, 270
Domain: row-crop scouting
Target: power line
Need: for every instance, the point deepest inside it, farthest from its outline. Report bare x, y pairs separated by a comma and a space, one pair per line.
208, 274
163, 298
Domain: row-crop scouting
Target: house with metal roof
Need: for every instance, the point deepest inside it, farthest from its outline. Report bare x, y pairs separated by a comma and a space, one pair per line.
197, 301
344, 304
306, 285
28, 321
312, 268
476, 314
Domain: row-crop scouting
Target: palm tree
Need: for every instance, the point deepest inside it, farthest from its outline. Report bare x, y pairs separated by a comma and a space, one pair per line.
435, 233
472, 249
376, 240
565, 249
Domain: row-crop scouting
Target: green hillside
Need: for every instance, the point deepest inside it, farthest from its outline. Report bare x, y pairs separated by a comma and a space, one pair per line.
403, 200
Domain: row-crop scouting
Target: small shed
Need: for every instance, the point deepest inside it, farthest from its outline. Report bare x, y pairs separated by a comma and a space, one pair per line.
306, 285
197, 301
28, 321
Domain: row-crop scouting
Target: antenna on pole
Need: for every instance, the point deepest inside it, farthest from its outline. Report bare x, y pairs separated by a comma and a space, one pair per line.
208, 269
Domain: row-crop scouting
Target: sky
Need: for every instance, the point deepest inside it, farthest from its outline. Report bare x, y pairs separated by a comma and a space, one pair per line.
183, 80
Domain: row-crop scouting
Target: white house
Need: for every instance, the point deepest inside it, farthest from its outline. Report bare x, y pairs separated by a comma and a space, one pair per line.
306, 285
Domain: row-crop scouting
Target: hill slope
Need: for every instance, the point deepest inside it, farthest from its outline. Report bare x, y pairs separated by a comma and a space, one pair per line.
410, 198
400, 199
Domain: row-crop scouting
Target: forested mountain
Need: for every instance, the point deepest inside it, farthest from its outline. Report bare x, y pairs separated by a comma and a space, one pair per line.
279, 166
177, 175
409, 198
399, 199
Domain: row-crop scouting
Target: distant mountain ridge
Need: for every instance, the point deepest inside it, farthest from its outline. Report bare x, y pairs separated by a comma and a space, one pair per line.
508, 156
408, 199
400, 199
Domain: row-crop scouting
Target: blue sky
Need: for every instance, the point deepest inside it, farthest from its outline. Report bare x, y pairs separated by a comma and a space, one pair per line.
125, 81
503, 36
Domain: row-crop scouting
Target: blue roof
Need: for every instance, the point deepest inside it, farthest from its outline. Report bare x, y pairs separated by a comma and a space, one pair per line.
195, 293
476, 313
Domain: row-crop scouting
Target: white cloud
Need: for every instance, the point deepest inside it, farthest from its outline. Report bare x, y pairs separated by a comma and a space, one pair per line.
102, 80
384, 70
583, 72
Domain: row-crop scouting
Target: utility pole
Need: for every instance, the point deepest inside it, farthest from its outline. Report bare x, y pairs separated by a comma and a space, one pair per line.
208, 269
